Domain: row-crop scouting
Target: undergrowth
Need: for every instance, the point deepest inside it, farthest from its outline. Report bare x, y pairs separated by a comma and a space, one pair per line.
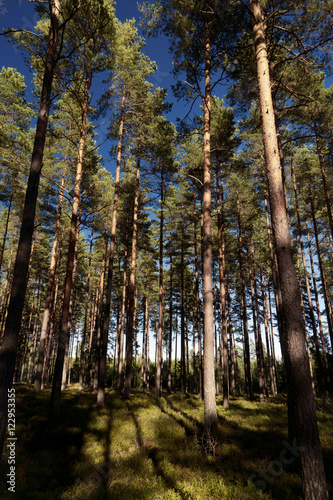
150, 449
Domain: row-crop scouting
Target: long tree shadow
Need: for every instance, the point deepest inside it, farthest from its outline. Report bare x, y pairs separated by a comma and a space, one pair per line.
46, 452
84, 456
106, 468
231, 449
188, 416
153, 453
190, 424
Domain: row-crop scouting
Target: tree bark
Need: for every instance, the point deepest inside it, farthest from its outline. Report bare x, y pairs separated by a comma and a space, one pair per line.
197, 302
158, 382
321, 332
33, 346
19, 282
304, 323
269, 360
307, 284
71, 307
276, 282
256, 329
92, 319
99, 315
102, 373
38, 385
300, 395
247, 360
182, 318
65, 317
131, 291
50, 339
223, 307
171, 320
322, 275
5, 295
232, 354
85, 326
210, 411
122, 317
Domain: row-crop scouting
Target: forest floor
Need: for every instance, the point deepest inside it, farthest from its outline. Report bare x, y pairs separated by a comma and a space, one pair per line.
155, 449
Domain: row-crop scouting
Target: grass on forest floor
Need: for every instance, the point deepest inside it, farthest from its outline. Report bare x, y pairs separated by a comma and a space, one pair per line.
155, 449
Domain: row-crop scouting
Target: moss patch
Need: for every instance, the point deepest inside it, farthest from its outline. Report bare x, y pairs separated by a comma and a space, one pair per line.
148, 448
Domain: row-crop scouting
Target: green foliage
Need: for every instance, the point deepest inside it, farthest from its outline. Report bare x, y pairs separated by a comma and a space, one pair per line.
15, 143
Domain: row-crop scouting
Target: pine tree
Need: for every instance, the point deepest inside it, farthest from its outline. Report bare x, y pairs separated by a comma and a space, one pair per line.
87, 62
300, 395
15, 308
130, 68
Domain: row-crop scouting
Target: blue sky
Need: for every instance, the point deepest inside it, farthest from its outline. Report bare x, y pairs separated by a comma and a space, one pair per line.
21, 14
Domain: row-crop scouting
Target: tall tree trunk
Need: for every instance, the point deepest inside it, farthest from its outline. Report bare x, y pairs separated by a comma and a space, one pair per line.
71, 307
182, 318
65, 317
256, 299
99, 315
303, 425
197, 300
85, 325
26, 344
256, 329
131, 291
223, 306
116, 346
6, 229
279, 143
147, 344
33, 346
21, 334
171, 320
210, 411
271, 331
134, 339
27, 337
304, 323
52, 321
49, 291
216, 344
102, 371
187, 372
321, 332
5, 295
307, 285
92, 319
232, 355
269, 361
322, 275
176, 342
143, 385
19, 282
247, 359
275, 276
158, 382
122, 317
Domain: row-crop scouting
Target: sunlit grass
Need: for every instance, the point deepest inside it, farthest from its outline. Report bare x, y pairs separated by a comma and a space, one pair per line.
148, 448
